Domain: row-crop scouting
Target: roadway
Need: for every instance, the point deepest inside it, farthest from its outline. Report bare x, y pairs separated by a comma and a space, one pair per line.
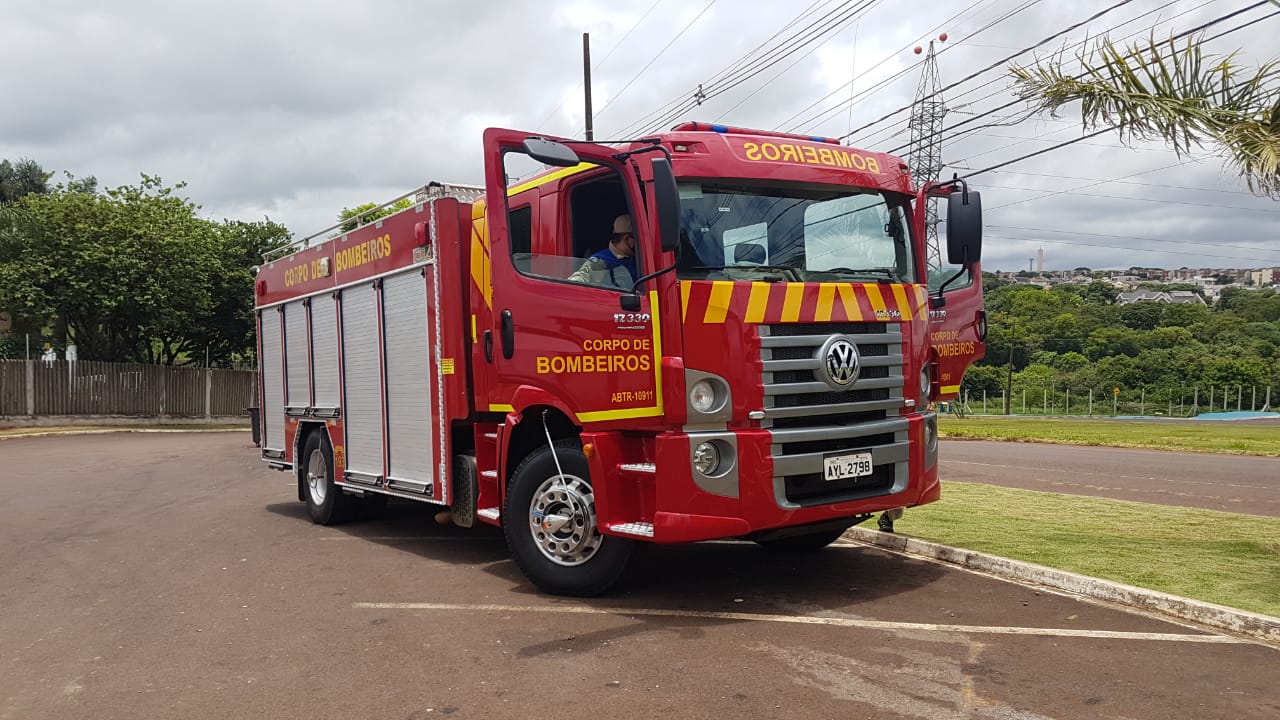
148, 576
1232, 483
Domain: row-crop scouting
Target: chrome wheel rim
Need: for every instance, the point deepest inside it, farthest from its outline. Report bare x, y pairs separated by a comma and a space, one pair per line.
317, 476
562, 520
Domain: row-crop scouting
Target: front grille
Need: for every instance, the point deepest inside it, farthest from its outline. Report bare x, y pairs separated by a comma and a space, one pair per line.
809, 419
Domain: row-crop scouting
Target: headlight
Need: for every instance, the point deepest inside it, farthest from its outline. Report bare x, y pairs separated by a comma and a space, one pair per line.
702, 396
930, 434
926, 379
706, 458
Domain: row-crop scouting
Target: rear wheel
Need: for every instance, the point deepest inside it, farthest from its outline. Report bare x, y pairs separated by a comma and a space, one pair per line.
803, 543
326, 503
550, 525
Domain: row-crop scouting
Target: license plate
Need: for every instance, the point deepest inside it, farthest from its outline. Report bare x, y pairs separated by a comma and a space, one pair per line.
842, 467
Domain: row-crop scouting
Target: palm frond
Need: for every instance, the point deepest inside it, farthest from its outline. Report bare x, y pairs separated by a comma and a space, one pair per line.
1163, 89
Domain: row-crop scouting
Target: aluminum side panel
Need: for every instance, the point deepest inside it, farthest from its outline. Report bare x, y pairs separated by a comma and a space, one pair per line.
409, 361
297, 355
362, 380
272, 382
324, 351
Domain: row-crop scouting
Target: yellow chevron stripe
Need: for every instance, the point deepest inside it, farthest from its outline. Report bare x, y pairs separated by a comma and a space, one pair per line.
718, 303
758, 302
877, 300
900, 295
826, 300
791, 304
922, 301
850, 301
684, 300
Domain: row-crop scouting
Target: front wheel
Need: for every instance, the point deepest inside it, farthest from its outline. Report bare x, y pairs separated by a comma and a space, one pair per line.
551, 526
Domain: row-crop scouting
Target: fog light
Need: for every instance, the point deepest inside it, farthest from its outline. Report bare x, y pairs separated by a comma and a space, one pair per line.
706, 458
702, 396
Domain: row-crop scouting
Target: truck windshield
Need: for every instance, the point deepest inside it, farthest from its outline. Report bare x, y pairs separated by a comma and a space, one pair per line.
793, 233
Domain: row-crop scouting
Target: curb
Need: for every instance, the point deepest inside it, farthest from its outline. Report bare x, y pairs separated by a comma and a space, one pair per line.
1240, 622
103, 431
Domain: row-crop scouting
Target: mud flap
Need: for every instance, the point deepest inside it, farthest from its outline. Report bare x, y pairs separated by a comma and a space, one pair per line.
465, 491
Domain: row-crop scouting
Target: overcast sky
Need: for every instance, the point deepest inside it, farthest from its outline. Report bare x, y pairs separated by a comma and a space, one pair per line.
293, 110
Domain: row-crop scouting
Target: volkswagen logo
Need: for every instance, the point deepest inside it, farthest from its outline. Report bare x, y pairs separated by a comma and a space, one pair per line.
838, 362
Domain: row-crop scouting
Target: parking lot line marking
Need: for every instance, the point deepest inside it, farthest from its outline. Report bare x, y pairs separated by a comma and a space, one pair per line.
807, 620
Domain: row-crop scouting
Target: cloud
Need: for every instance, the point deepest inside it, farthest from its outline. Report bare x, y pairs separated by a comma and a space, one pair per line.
295, 111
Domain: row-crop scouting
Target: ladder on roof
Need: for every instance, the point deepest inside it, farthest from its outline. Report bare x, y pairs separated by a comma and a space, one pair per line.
420, 196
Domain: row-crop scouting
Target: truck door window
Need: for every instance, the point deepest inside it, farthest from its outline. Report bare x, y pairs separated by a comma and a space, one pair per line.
584, 247
939, 275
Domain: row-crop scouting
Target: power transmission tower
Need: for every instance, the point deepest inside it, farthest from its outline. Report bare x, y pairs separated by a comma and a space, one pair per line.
926, 147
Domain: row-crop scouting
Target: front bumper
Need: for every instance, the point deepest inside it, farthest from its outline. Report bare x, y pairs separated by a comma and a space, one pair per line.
650, 490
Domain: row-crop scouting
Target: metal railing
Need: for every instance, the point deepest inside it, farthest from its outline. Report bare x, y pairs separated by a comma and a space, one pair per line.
420, 196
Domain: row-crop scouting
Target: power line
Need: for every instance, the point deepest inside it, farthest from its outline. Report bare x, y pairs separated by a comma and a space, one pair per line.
644, 121
1132, 249
1137, 199
1001, 62
1134, 237
766, 83
603, 60
647, 65
873, 68
1180, 35
788, 47
1121, 182
1100, 182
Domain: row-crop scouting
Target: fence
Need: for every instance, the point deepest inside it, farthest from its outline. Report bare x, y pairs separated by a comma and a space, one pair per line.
1156, 401
85, 387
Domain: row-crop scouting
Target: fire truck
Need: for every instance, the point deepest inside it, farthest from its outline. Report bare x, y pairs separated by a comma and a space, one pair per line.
710, 333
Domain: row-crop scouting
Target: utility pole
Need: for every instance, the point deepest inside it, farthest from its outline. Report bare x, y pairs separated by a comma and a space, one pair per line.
586, 80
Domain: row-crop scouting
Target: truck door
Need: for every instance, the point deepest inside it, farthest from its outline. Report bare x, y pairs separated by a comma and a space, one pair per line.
958, 325
559, 333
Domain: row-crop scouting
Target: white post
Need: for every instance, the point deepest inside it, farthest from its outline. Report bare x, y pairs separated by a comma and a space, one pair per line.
1239, 396
1090, 402
1068, 410
1142, 404
31, 386
208, 393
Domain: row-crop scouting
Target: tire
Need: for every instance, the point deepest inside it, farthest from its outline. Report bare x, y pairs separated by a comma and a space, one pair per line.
811, 542
326, 503
550, 525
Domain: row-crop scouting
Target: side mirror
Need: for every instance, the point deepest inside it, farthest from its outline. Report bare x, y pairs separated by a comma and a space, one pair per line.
667, 197
964, 227
550, 152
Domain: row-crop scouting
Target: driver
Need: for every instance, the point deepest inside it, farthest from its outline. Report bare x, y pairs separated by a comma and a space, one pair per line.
602, 268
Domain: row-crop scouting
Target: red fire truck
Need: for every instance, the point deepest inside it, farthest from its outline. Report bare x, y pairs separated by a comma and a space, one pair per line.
709, 333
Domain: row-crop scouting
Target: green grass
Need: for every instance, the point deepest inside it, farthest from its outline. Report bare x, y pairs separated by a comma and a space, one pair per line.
1216, 557
1223, 437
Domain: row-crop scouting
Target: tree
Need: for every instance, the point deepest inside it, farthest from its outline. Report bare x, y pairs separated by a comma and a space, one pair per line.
125, 275
1165, 90
351, 218
226, 331
24, 177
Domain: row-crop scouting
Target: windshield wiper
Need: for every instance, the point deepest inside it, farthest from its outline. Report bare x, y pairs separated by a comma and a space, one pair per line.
792, 273
883, 274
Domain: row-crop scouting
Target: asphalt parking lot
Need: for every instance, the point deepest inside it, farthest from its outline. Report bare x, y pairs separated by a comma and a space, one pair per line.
171, 575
